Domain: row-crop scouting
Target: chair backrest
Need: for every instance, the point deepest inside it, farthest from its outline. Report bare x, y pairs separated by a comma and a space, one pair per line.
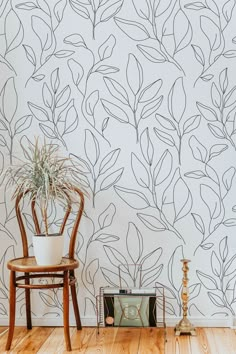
73, 236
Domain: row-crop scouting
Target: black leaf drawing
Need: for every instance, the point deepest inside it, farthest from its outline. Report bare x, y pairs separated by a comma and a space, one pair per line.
191, 124
152, 54
151, 107
223, 79
107, 69
199, 223
30, 54
109, 161
216, 264
134, 237
59, 9
106, 238
91, 270
22, 124
216, 299
195, 6
163, 168
134, 73
152, 222
133, 198
132, 29
40, 113
77, 71
147, 146
173, 263
115, 111
28, 6
140, 172
91, 102
116, 258
227, 10
198, 150
215, 96
194, 291
111, 11
182, 31
106, 49
216, 150
116, 90
91, 147
207, 112
182, 205
142, 9
216, 131
212, 200
177, 100
63, 53
76, 40
111, 179
14, 31
113, 278
165, 137
199, 55
208, 281
151, 259
48, 300
211, 31
150, 92
43, 32
227, 178
223, 248
151, 276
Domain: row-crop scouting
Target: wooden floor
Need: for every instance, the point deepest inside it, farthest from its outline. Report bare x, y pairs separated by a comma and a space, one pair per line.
49, 340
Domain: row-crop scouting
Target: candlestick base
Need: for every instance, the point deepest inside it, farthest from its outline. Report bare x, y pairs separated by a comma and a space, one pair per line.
185, 327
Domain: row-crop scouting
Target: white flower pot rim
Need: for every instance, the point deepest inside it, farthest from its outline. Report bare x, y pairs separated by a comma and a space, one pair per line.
49, 235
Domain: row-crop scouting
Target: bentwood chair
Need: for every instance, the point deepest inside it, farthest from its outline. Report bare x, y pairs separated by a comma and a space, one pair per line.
63, 274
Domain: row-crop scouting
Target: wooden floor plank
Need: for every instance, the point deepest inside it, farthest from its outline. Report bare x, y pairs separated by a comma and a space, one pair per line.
126, 341
54, 340
182, 344
19, 334
80, 340
103, 341
33, 340
213, 344
199, 343
170, 341
152, 340
228, 345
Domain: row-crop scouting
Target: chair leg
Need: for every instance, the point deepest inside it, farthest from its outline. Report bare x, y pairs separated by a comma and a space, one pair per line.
12, 309
28, 305
75, 305
66, 310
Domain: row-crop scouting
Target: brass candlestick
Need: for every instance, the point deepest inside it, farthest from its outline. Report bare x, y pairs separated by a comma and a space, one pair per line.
184, 326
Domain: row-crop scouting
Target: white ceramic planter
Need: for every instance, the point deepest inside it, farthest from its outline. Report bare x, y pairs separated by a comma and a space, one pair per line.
48, 250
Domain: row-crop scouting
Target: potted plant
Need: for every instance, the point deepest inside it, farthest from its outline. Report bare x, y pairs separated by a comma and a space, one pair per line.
47, 178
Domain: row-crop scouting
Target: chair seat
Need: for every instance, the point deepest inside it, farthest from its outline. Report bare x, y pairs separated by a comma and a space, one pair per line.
28, 264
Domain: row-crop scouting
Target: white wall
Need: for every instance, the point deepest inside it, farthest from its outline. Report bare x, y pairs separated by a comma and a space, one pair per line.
143, 94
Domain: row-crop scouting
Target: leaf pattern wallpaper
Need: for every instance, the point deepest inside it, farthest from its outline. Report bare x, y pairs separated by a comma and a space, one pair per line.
142, 94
